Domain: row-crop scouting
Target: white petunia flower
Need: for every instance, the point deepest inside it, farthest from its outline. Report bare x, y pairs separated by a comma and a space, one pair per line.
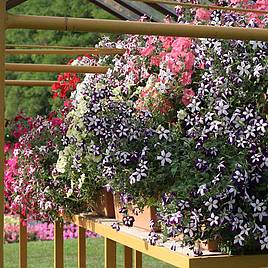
257, 70
239, 239
222, 107
214, 220
212, 203
194, 105
243, 68
261, 125
264, 243
164, 158
163, 133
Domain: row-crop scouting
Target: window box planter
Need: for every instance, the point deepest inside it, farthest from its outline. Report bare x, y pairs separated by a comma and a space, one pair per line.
142, 219
104, 206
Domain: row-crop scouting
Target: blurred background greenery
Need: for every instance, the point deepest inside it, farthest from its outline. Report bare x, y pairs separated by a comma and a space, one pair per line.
32, 101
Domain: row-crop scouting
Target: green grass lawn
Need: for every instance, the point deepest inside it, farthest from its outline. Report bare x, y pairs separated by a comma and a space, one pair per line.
40, 255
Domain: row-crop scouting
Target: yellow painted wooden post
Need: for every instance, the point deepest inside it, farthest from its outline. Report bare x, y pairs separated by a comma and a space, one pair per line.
137, 259
23, 244
58, 245
2, 124
81, 247
110, 253
127, 257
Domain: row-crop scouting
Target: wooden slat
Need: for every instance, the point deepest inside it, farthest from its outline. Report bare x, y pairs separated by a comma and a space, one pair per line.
110, 253
142, 9
55, 68
134, 27
23, 245
127, 257
116, 9
13, 3
91, 51
2, 125
29, 83
81, 247
58, 245
137, 259
53, 47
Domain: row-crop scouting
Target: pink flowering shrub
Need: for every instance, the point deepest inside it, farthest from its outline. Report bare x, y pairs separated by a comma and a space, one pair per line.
155, 71
11, 233
31, 150
41, 231
29, 166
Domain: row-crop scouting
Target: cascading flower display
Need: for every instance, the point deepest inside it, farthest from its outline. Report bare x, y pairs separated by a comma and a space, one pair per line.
28, 169
32, 147
110, 143
174, 118
224, 133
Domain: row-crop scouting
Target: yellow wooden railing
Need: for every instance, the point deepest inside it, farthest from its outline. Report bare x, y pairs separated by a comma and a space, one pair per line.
135, 244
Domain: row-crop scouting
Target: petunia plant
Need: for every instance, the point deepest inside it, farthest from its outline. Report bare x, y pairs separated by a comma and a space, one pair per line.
112, 144
221, 192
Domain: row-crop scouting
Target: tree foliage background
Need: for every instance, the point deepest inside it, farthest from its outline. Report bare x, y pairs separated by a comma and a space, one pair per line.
32, 101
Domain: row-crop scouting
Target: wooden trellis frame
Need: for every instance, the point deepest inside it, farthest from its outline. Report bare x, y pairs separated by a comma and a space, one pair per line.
8, 21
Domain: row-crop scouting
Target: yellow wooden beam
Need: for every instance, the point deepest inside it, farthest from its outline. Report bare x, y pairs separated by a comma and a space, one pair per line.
173, 258
58, 245
214, 7
164, 254
81, 247
20, 67
29, 83
44, 46
23, 237
131, 27
91, 51
2, 124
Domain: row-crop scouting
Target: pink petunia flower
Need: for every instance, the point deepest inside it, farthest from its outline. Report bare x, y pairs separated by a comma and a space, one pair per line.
202, 14
188, 94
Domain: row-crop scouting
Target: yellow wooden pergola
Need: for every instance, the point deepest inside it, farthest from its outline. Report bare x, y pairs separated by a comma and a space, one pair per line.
131, 242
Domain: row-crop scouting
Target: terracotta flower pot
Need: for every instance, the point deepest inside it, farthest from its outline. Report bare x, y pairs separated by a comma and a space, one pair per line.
104, 206
142, 219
